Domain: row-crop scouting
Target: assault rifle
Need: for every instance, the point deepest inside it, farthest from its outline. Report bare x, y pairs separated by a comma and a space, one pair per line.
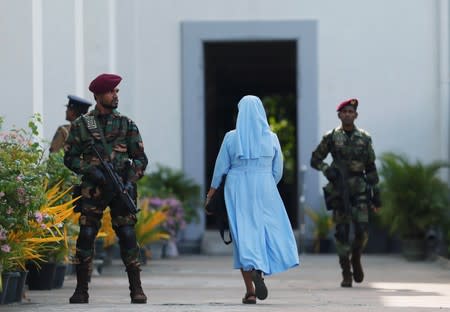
117, 183
342, 185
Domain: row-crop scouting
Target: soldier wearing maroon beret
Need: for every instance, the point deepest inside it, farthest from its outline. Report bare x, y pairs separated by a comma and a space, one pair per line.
351, 102
117, 139
352, 187
104, 83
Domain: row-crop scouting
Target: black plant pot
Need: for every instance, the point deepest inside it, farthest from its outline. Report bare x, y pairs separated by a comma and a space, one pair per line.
21, 286
41, 278
60, 272
9, 282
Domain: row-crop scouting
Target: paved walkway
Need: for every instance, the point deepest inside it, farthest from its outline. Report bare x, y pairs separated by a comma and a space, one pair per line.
202, 283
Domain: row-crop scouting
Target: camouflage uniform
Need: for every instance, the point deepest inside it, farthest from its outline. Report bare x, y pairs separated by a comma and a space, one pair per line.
353, 150
122, 136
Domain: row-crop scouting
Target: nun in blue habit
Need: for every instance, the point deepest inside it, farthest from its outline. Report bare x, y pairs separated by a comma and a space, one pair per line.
263, 240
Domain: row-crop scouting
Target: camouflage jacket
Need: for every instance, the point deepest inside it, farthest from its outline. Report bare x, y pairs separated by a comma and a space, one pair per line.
122, 137
354, 151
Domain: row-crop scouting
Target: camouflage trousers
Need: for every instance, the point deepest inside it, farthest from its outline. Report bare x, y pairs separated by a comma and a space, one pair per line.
92, 206
356, 219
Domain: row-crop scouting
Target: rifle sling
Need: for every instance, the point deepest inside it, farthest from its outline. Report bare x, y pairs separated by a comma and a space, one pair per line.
91, 125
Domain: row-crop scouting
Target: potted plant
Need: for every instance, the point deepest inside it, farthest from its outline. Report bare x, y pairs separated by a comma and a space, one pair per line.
22, 173
10, 274
149, 229
34, 243
323, 224
50, 234
414, 199
166, 182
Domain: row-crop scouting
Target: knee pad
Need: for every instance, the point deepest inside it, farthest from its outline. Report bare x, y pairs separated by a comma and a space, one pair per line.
127, 236
86, 237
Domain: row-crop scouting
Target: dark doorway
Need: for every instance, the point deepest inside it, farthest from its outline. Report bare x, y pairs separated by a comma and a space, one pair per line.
263, 68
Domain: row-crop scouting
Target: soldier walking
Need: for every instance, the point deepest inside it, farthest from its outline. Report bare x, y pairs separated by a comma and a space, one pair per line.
352, 189
117, 140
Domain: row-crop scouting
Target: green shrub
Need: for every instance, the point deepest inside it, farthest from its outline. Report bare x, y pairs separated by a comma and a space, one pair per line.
22, 176
414, 197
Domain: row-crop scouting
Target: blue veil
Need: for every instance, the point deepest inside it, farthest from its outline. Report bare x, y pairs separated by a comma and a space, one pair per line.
254, 138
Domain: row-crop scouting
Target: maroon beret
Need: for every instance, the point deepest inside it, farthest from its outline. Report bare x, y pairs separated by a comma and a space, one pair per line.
104, 83
352, 102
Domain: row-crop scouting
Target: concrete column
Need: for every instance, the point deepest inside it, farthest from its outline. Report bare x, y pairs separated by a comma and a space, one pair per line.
443, 10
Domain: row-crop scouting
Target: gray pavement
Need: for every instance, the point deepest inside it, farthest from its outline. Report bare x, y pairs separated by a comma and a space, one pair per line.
207, 283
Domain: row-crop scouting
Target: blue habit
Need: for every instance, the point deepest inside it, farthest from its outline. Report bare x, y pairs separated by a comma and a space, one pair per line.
251, 157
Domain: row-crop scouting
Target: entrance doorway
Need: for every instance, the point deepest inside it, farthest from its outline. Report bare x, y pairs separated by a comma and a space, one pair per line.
267, 69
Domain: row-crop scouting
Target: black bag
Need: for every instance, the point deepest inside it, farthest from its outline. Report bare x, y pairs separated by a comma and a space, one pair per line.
216, 206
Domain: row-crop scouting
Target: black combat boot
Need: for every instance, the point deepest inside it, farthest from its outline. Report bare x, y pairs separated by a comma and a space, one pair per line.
346, 272
81, 291
358, 274
136, 293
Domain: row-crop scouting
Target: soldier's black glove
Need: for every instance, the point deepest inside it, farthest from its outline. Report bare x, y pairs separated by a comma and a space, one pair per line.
376, 198
129, 187
95, 175
332, 174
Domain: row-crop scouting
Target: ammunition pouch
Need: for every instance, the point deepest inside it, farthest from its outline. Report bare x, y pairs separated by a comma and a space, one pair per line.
333, 199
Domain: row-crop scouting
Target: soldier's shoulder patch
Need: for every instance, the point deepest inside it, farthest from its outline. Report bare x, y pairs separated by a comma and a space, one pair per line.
91, 124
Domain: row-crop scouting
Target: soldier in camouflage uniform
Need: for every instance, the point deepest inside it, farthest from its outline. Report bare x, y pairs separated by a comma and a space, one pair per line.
354, 165
117, 139
75, 108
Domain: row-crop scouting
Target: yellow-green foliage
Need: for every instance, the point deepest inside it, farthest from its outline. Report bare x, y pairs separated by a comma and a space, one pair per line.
148, 226
323, 224
44, 236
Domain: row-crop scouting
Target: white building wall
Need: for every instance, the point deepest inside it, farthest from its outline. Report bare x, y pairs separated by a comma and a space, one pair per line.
385, 55
58, 58
16, 68
383, 52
